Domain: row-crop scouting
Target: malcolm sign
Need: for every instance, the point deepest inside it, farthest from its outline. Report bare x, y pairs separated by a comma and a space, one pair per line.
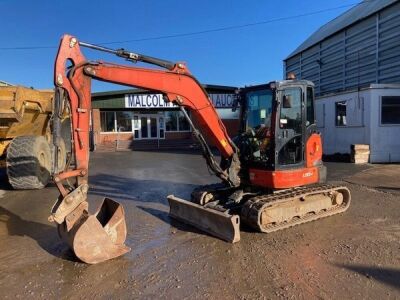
147, 101
157, 101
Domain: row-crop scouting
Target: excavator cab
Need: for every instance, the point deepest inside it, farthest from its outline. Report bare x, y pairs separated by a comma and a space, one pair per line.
277, 120
281, 169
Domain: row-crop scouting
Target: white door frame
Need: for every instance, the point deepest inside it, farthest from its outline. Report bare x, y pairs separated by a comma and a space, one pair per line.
139, 126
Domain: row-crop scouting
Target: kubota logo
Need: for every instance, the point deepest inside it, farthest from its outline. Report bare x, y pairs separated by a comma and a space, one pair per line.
308, 174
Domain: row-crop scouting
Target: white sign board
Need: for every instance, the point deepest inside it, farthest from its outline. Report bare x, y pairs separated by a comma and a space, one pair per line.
157, 101
146, 101
222, 100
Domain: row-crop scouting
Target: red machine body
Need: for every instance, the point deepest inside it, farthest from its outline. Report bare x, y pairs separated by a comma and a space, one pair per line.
278, 148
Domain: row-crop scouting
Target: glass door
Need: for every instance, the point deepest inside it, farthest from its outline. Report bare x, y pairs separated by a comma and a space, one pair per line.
144, 127
161, 127
290, 144
136, 127
153, 128
147, 127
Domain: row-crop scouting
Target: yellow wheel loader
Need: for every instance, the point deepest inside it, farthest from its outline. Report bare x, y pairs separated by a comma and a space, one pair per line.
26, 145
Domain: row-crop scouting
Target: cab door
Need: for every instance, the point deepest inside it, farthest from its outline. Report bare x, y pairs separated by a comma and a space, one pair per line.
290, 128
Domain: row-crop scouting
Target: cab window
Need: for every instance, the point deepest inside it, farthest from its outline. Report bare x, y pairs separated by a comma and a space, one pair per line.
290, 123
259, 109
290, 117
310, 106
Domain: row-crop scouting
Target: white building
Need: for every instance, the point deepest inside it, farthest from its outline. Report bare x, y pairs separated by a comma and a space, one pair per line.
370, 116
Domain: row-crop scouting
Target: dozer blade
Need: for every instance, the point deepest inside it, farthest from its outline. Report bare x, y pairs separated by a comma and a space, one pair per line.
216, 223
93, 238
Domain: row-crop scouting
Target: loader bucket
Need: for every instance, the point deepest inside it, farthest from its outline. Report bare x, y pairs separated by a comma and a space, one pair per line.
96, 238
216, 223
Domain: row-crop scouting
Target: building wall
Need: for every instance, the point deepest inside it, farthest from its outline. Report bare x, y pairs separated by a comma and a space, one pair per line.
96, 127
363, 124
338, 139
232, 126
364, 53
385, 146
110, 138
114, 107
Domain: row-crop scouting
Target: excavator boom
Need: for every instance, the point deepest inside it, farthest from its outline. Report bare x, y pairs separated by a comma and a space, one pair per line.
90, 236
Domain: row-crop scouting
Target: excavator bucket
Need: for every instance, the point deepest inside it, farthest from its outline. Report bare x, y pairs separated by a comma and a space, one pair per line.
99, 237
216, 223
93, 238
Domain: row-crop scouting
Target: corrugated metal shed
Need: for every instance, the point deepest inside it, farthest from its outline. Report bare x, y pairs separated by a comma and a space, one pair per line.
360, 47
353, 15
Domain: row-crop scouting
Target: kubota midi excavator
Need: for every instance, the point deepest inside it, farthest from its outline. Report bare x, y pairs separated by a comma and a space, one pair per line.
272, 175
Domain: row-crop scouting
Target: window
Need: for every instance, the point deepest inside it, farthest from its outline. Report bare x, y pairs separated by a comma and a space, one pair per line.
124, 121
171, 121
259, 108
291, 121
107, 120
291, 110
341, 110
176, 121
390, 110
310, 106
183, 124
112, 121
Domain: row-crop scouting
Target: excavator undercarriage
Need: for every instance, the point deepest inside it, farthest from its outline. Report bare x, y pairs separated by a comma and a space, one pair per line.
218, 210
287, 208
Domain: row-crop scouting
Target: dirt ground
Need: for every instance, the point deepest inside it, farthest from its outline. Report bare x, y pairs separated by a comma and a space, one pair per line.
355, 255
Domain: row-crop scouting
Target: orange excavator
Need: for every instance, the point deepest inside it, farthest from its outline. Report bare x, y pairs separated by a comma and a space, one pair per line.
272, 175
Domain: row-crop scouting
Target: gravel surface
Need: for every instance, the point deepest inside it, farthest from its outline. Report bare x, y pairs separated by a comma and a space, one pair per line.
355, 255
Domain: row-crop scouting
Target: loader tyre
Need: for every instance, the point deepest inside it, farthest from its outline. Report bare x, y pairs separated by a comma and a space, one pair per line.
28, 162
61, 157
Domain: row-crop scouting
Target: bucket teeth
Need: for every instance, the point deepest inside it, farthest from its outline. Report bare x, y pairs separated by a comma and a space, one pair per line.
216, 223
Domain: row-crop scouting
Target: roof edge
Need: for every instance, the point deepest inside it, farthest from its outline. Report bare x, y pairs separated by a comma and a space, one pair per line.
299, 50
138, 90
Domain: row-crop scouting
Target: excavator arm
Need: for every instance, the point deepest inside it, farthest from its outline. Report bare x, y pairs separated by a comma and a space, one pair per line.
72, 77
73, 74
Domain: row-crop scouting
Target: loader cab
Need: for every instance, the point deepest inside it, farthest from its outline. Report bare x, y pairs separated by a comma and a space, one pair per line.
276, 120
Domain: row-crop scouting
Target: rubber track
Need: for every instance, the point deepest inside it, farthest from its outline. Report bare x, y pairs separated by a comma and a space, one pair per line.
252, 209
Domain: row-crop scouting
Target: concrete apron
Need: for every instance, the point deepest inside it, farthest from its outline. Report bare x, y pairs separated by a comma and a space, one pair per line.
380, 177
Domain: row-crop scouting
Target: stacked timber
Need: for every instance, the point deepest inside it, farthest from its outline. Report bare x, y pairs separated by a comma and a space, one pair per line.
360, 153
